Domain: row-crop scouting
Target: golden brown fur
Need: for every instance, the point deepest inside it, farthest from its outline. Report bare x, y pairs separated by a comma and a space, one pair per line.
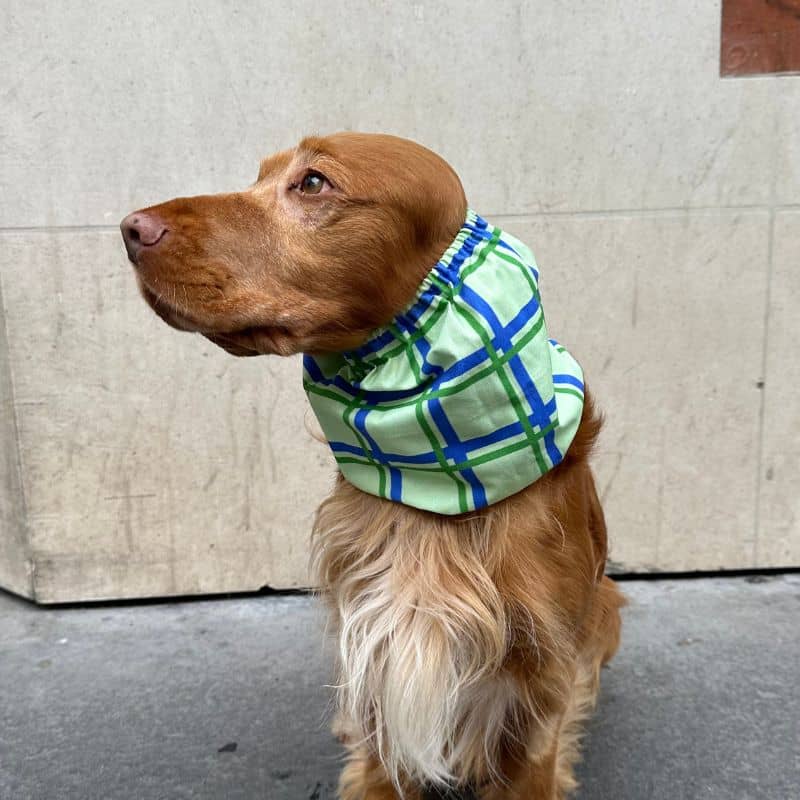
517, 591
470, 646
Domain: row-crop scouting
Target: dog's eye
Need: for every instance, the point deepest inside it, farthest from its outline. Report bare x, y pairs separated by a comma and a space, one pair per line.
313, 183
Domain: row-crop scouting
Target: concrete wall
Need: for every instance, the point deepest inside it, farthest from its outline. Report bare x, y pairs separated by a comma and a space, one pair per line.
663, 204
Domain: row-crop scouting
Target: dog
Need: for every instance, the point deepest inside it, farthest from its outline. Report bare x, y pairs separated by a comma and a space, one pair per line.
468, 596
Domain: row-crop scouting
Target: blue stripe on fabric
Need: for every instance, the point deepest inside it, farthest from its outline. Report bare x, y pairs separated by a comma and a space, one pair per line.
360, 421
376, 396
570, 380
343, 447
478, 492
372, 346
412, 316
461, 367
443, 423
312, 368
455, 453
449, 272
383, 458
484, 309
370, 396
424, 347
479, 231
442, 375
540, 414
529, 310
424, 302
395, 484
457, 448
476, 443
506, 246
552, 449
524, 380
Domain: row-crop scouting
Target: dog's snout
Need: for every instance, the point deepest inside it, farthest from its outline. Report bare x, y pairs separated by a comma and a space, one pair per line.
139, 230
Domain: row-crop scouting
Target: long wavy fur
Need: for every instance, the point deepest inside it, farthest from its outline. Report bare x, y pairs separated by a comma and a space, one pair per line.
459, 637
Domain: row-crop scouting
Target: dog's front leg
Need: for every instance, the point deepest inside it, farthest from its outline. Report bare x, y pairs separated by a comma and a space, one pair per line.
364, 778
532, 778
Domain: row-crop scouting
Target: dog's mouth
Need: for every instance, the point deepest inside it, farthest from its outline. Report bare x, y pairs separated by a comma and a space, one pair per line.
173, 316
249, 340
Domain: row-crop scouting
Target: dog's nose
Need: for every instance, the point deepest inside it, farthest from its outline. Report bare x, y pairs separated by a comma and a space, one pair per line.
139, 230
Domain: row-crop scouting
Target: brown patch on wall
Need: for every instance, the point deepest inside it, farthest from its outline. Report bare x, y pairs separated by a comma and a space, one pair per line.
760, 37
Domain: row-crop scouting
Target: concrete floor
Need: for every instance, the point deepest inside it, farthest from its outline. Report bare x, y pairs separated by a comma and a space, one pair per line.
226, 699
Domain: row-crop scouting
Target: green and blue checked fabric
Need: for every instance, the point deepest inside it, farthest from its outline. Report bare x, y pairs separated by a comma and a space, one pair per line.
462, 400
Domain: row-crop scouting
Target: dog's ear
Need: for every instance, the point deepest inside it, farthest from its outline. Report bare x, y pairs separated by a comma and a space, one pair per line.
439, 209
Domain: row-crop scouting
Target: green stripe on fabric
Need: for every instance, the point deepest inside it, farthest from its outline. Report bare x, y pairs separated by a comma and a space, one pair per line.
437, 449
405, 341
445, 391
526, 271
486, 250
564, 390
354, 405
420, 333
312, 388
477, 260
461, 465
511, 448
509, 389
412, 362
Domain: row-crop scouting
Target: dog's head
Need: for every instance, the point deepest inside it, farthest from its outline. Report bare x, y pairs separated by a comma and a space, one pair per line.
330, 242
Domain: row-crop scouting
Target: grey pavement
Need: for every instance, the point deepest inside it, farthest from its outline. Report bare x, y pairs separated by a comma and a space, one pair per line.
226, 699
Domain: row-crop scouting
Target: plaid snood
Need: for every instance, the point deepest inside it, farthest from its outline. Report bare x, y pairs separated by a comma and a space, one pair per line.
462, 400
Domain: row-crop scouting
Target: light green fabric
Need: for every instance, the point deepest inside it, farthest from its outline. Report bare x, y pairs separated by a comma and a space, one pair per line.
462, 400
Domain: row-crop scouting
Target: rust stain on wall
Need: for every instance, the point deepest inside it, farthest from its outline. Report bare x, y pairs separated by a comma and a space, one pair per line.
760, 37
